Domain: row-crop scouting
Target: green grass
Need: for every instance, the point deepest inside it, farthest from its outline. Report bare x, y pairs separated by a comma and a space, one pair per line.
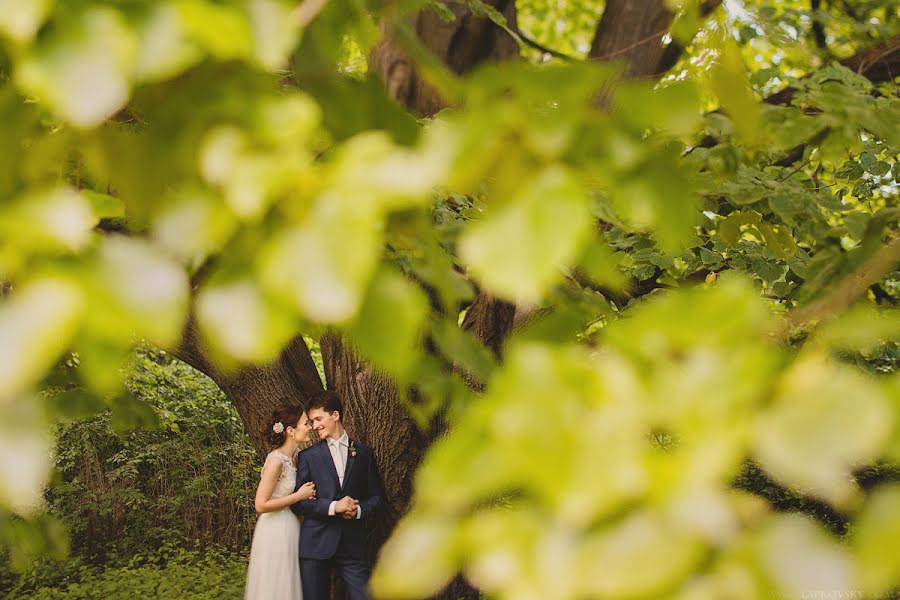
173, 574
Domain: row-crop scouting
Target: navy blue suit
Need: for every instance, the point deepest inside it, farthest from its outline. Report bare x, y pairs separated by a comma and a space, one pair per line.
327, 541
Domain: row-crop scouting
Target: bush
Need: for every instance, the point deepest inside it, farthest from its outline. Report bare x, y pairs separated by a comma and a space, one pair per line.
171, 572
189, 480
143, 506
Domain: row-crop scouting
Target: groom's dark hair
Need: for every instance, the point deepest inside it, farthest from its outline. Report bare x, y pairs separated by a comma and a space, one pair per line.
328, 401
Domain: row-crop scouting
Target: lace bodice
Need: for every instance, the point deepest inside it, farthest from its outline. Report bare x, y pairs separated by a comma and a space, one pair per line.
288, 478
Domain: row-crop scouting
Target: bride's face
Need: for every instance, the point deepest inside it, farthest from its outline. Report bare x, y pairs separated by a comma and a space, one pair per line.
301, 431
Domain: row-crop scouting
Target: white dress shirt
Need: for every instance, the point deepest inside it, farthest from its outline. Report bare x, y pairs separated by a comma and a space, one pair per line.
340, 449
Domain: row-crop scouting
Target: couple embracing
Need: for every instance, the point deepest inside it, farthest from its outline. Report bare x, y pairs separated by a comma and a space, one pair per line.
333, 486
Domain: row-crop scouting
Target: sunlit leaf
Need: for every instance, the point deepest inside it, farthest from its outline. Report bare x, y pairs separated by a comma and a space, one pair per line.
826, 421
416, 561
520, 247
145, 293
275, 30
389, 325
37, 322
165, 48
239, 323
324, 265
875, 537
798, 556
82, 73
729, 82
21, 19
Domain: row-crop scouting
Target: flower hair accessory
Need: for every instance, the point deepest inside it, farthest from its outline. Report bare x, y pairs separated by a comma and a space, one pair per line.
278, 427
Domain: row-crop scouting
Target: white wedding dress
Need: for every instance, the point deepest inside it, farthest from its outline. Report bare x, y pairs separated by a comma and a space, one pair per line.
274, 571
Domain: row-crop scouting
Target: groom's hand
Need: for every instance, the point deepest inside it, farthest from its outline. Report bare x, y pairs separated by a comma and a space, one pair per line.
353, 511
344, 505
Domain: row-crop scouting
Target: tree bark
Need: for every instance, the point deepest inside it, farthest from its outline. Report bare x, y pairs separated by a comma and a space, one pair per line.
461, 44
374, 415
876, 63
631, 32
490, 320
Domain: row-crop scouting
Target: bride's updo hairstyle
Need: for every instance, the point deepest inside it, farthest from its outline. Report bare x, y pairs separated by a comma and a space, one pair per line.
285, 415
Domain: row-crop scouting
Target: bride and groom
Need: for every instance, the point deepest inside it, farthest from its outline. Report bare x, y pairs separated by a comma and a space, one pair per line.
333, 486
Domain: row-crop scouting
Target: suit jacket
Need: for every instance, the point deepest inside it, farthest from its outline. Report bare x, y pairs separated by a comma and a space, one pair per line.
320, 534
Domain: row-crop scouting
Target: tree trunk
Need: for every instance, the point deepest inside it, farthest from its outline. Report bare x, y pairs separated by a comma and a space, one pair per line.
631, 32
374, 415
461, 44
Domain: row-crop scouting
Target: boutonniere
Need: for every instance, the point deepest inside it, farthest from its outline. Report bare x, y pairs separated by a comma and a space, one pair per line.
352, 449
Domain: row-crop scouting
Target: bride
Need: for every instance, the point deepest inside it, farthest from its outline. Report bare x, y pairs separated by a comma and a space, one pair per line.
274, 571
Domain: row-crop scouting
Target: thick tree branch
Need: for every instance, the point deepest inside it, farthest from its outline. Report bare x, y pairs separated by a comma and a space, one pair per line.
847, 292
818, 29
191, 351
877, 63
256, 389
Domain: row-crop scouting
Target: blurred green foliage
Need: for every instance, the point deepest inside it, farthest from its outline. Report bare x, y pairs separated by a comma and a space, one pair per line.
130, 498
230, 160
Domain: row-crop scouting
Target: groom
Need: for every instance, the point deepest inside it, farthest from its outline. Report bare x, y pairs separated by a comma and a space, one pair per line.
348, 491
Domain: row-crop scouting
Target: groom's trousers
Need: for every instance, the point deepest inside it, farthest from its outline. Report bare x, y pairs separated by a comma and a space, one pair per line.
315, 575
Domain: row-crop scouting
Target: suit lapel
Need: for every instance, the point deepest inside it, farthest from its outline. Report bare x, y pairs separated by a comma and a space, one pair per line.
351, 460
329, 465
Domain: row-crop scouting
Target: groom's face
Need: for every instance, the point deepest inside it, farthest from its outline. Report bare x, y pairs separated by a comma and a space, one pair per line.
324, 423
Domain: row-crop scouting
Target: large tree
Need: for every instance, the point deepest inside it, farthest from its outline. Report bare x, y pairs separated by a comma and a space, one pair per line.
223, 180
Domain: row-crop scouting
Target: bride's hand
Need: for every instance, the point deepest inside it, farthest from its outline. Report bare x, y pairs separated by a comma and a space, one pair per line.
307, 491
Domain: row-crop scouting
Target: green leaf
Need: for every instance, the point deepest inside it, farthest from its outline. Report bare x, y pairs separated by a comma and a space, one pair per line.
25, 462
860, 329
56, 219
674, 108
517, 251
730, 227
729, 82
104, 205
129, 413
276, 30
20, 20
782, 289
462, 348
867, 161
76, 403
37, 322
876, 541
220, 29
389, 327
766, 270
165, 45
797, 555
418, 559
323, 266
240, 325
779, 240
881, 169
137, 293
600, 264
856, 223
826, 421
82, 72
850, 170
